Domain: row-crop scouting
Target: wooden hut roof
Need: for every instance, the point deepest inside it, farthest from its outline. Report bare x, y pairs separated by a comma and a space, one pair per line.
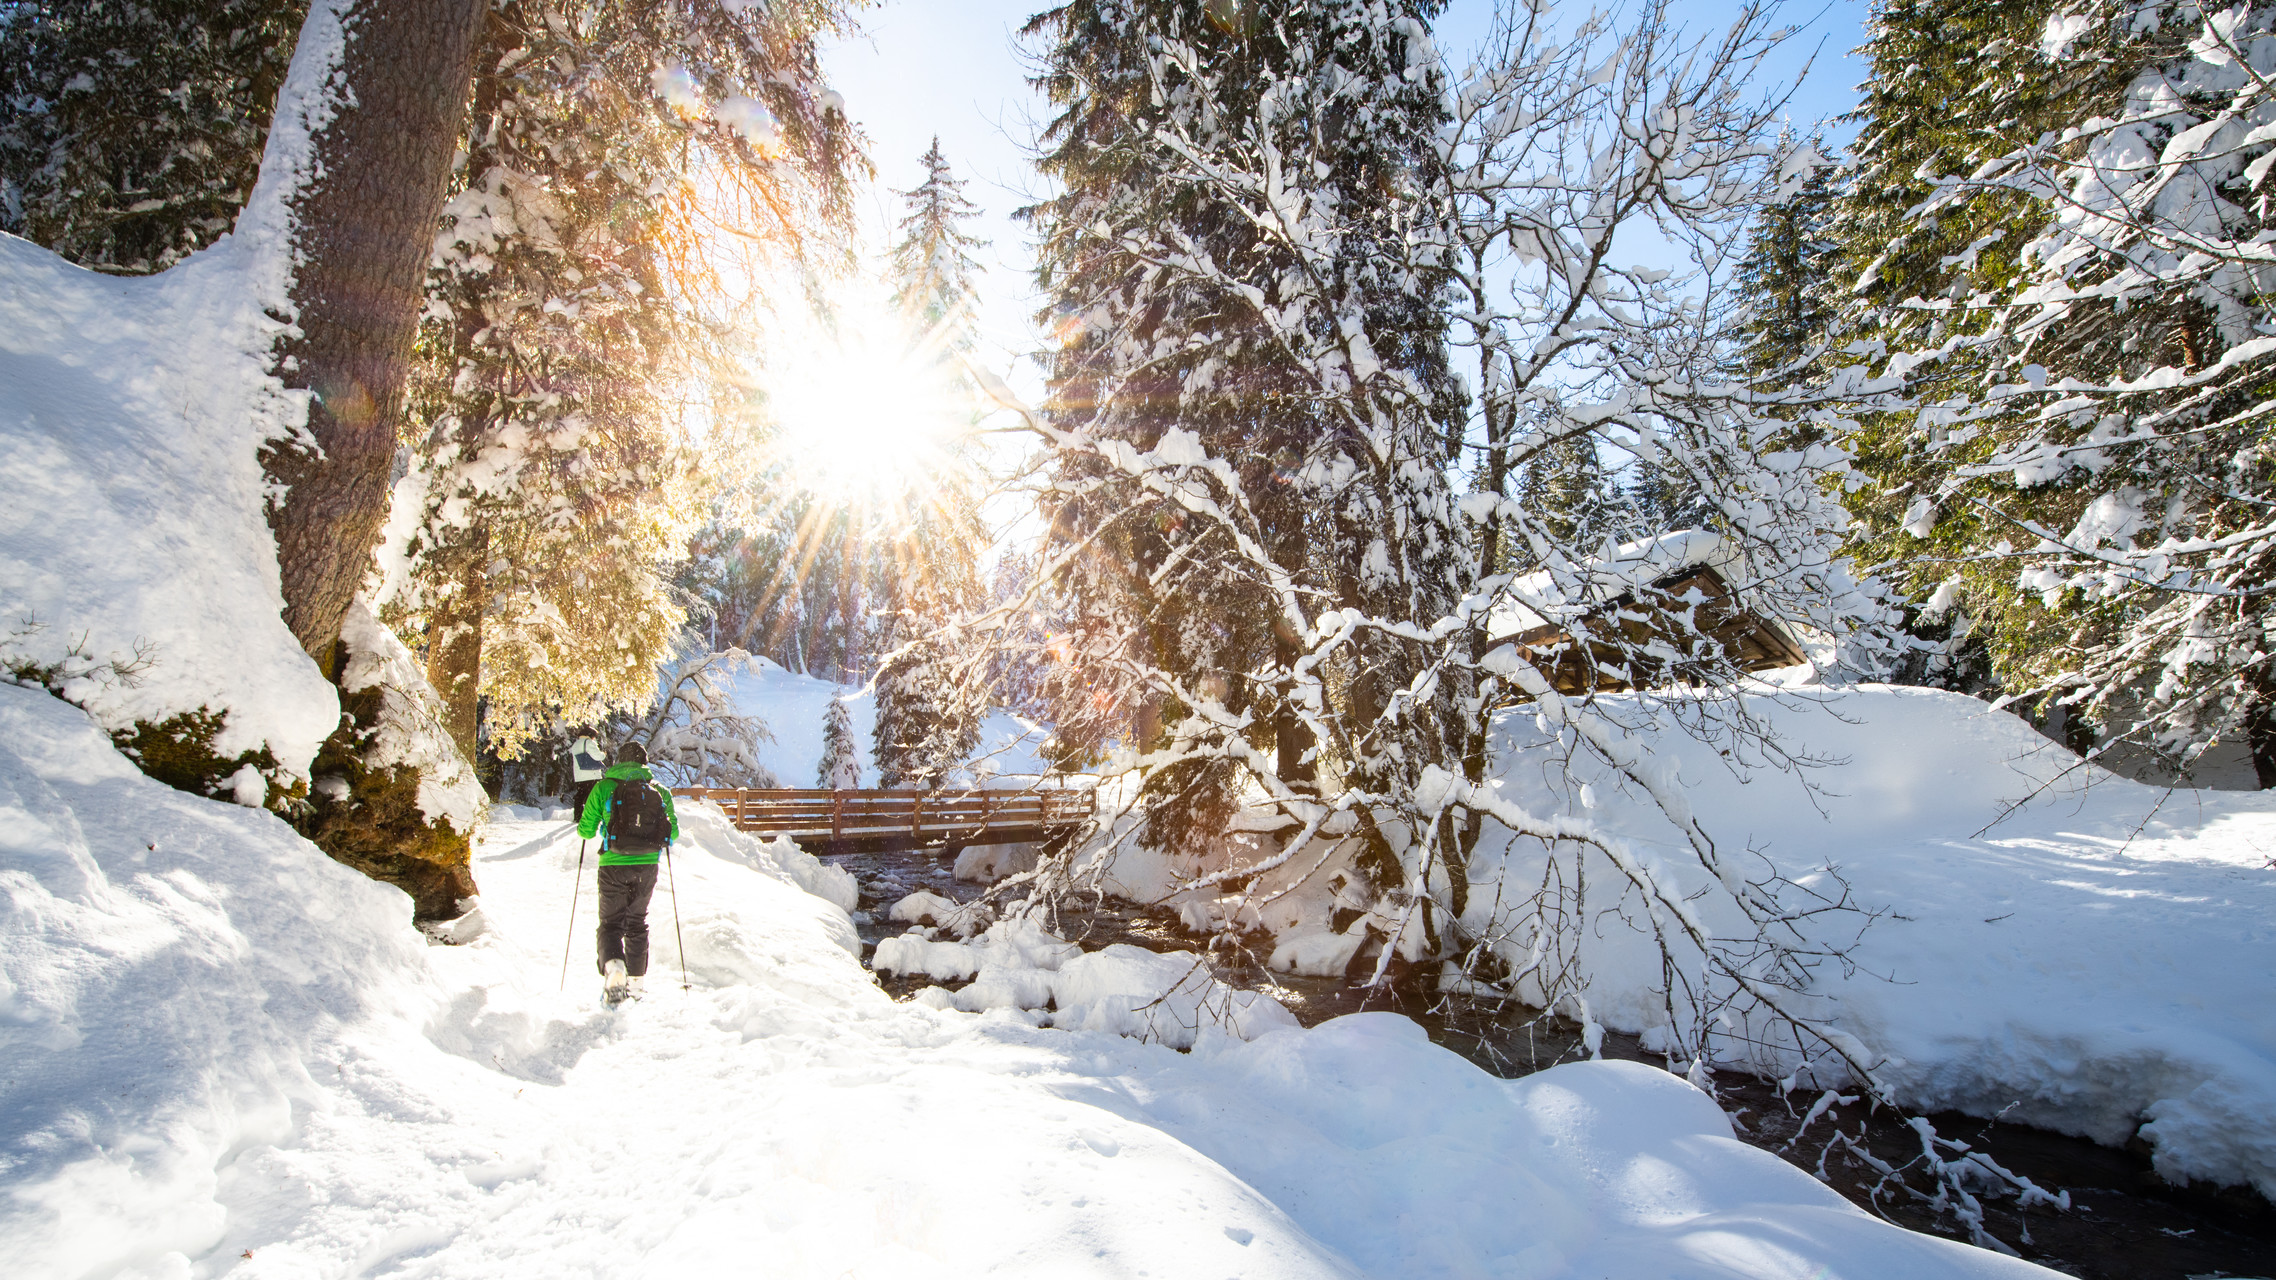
1687, 566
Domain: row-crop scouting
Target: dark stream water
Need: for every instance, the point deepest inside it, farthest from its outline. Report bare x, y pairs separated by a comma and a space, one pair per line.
2125, 1223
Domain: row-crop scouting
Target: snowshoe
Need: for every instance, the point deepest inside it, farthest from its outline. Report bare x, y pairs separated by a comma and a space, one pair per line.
615, 983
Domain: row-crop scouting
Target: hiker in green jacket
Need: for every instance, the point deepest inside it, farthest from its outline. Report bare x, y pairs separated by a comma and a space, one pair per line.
634, 818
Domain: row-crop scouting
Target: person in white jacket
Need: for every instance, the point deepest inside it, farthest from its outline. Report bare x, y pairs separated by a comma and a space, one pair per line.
587, 762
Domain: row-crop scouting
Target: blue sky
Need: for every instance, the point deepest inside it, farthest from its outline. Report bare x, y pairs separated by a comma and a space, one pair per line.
952, 68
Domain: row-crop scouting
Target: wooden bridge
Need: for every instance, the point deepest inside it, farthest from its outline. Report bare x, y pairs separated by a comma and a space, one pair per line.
883, 821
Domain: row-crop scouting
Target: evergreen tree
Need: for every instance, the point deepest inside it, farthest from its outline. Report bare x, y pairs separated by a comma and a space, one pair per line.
1253, 404
1572, 499
926, 576
840, 768
927, 724
1028, 615
571, 309
933, 269
1661, 499
131, 130
2071, 292
1788, 281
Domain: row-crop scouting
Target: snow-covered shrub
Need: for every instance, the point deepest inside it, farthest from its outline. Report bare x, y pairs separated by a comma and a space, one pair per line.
694, 734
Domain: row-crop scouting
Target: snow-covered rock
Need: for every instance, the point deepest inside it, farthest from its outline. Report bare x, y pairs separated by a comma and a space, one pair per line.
988, 863
1164, 999
408, 731
923, 907
1315, 953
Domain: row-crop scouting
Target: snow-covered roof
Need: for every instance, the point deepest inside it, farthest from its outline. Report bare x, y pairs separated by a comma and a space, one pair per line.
1529, 601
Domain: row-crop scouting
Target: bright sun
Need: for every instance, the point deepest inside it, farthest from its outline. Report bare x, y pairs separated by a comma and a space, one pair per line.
865, 415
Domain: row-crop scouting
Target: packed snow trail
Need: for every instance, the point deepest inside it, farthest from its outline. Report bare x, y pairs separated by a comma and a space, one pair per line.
227, 1055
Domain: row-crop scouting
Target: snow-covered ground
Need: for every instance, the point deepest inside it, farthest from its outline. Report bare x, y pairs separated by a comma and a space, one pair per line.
794, 707
2086, 953
132, 534
221, 1053
2097, 959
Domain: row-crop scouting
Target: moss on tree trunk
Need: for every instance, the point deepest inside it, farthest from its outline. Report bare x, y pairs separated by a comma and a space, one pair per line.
370, 819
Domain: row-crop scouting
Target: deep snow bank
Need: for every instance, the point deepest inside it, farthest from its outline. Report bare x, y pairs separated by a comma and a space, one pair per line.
2097, 958
2092, 952
226, 1055
131, 411
172, 973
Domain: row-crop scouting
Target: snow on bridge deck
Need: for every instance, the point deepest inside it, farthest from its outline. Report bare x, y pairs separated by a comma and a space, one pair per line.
886, 821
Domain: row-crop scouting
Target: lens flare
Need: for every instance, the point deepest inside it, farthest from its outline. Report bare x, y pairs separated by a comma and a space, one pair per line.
867, 416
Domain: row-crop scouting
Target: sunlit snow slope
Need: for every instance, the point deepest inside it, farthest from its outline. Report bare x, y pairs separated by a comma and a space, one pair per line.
220, 1053
794, 707
2084, 952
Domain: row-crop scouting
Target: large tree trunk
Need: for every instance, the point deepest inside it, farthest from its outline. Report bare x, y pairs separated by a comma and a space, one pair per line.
365, 222
2260, 734
454, 644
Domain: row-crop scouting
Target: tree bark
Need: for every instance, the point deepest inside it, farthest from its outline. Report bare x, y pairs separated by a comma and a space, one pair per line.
364, 227
454, 646
2260, 734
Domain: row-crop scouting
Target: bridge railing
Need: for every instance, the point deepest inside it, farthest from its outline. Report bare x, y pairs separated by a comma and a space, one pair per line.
923, 817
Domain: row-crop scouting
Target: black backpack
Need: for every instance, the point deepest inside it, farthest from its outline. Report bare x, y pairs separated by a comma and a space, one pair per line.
636, 818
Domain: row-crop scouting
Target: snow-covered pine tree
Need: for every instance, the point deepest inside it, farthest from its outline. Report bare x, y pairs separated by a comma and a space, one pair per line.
1795, 281
1027, 614
840, 767
131, 130
934, 273
1260, 221
926, 576
572, 306
1574, 500
1252, 409
2084, 475
927, 724
1787, 280
1952, 84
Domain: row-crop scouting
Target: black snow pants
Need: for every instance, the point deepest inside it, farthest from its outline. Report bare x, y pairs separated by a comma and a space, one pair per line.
624, 917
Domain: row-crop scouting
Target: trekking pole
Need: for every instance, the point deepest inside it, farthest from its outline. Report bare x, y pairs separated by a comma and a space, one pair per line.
571, 940
677, 940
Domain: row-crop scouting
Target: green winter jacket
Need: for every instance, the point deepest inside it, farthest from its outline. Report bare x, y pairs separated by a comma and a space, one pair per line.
596, 814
